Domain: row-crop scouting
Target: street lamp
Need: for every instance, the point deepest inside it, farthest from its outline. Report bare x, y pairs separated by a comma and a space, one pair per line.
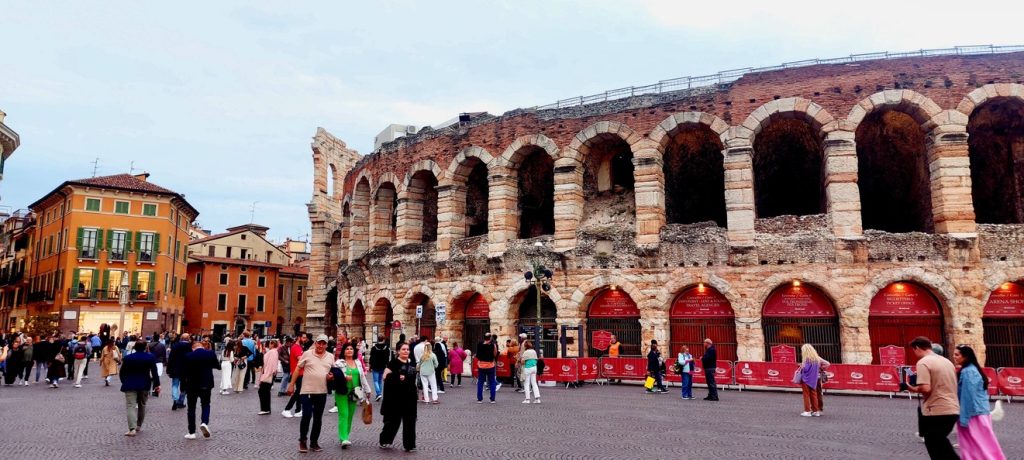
540, 276
123, 298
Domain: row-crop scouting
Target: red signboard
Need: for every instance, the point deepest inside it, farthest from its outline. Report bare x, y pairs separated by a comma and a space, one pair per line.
904, 299
783, 354
891, 355
701, 302
766, 374
613, 303
1006, 301
477, 308
624, 368
1011, 381
587, 368
800, 301
600, 339
864, 377
559, 370
723, 373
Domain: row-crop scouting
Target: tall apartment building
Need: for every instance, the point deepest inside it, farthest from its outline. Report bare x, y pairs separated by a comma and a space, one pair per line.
16, 232
89, 235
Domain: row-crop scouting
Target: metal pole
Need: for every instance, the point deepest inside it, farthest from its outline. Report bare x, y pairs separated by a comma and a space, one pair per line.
540, 330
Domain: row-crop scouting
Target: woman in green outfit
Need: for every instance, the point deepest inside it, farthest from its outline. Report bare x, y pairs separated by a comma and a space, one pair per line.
347, 396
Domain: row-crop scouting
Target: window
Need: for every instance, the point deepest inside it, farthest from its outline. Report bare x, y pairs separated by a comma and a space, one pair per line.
260, 303
117, 243
211, 251
122, 207
174, 284
177, 249
199, 279
149, 209
243, 280
87, 243
92, 204
245, 269
241, 304
167, 280
261, 281
268, 256
280, 292
143, 285
229, 252
222, 302
298, 297
223, 279
85, 282
113, 284
148, 245
244, 254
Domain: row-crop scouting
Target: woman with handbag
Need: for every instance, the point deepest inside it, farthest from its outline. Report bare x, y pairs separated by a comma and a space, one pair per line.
684, 367
110, 358
352, 389
974, 430
807, 376
57, 369
241, 362
399, 405
655, 363
427, 367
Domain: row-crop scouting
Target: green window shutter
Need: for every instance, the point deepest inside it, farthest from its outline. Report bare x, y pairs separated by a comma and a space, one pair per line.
135, 280
99, 239
110, 239
138, 240
74, 284
106, 283
78, 245
156, 245
95, 278
127, 243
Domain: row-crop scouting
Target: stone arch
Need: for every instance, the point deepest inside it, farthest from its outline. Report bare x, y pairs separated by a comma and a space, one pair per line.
681, 279
693, 174
521, 286
458, 170
466, 192
421, 289
512, 156
790, 107
533, 210
464, 287
333, 188
944, 291
995, 130
581, 143
384, 210
418, 204
915, 104
359, 242
981, 95
424, 165
597, 172
383, 179
818, 280
661, 135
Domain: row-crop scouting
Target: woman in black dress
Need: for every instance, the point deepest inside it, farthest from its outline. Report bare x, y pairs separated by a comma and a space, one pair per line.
399, 404
56, 370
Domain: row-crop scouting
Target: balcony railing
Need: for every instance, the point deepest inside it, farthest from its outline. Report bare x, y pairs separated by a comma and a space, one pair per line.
11, 277
112, 295
40, 296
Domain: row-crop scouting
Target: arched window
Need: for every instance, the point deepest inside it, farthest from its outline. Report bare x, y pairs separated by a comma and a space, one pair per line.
694, 177
996, 140
893, 175
788, 169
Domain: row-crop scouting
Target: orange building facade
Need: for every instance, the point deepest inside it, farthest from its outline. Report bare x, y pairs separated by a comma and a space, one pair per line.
91, 235
231, 295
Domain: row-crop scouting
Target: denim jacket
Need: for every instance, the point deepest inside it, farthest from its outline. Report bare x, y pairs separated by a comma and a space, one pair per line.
973, 395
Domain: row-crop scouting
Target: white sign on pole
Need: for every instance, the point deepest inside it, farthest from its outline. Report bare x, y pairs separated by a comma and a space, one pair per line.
419, 311
440, 312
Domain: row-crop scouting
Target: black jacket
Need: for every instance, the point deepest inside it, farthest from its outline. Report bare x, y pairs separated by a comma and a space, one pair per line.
710, 358
138, 372
159, 351
380, 356
177, 359
197, 369
485, 351
442, 355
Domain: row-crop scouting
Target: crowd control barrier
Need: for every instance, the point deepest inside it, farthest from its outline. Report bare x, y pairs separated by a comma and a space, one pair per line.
1011, 381
723, 373
863, 377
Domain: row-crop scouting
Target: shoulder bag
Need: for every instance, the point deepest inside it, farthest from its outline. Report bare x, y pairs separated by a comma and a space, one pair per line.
368, 413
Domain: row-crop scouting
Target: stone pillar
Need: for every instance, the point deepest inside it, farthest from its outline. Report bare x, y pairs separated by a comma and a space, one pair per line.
739, 195
841, 191
650, 196
949, 163
568, 202
360, 208
410, 217
855, 337
749, 339
655, 328
964, 324
451, 217
380, 222
502, 210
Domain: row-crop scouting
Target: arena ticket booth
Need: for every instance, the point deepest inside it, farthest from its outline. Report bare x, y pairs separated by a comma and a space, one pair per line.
477, 322
698, 313
614, 312
899, 313
797, 313
528, 320
1004, 326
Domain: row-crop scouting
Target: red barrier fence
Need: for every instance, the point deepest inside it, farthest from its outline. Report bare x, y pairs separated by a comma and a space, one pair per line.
1011, 381
588, 368
560, 370
624, 368
501, 364
723, 373
766, 374
993, 380
863, 377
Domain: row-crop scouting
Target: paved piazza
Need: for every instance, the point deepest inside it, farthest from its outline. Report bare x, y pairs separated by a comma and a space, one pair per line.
589, 422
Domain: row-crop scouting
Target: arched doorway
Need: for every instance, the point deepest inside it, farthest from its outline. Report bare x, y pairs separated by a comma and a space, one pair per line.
548, 314
359, 321
331, 313
694, 177
383, 317
788, 169
995, 134
795, 314
899, 313
536, 189
427, 325
477, 321
613, 312
699, 313
892, 173
1004, 326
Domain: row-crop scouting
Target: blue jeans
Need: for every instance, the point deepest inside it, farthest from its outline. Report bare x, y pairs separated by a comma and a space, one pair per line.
285, 380
378, 377
491, 382
176, 393
687, 385
41, 368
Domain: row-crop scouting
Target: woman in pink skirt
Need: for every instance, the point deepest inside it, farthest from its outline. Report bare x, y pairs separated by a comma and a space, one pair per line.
977, 440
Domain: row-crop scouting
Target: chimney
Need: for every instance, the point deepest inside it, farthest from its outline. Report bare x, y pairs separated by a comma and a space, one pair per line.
142, 176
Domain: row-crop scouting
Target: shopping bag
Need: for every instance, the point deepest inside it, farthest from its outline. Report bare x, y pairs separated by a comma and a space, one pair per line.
649, 384
367, 413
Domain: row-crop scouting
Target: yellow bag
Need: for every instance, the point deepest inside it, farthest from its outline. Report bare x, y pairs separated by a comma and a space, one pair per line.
649, 384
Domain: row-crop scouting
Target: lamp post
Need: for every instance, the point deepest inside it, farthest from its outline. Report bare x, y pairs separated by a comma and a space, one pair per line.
123, 298
540, 277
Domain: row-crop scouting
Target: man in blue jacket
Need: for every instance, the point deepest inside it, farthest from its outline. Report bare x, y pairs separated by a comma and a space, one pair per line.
138, 376
197, 380
174, 365
710, 364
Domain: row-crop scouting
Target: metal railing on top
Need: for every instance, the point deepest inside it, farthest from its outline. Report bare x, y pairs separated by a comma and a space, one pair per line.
728, 76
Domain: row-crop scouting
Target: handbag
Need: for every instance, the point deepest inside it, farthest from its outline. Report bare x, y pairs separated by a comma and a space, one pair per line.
649, 383
367, 413
59, 357
797, 378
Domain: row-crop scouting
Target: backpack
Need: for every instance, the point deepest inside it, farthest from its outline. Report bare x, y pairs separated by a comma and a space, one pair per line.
80, 351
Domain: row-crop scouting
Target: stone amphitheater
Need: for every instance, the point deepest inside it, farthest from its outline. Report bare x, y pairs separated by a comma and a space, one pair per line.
851, 205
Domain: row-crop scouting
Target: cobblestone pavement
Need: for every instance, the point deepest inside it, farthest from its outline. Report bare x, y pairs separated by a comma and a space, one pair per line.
590, 422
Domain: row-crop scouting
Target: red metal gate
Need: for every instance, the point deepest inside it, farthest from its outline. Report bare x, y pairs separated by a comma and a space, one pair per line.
900, 312
1004, 342
692, 332
821, 333
626, 330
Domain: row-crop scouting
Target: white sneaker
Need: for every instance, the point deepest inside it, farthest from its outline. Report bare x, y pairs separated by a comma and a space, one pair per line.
298, 414
205, 429
263, 412
805, 414
438, 391
334, 410
816, 414
526, 401
536, 401
287, 414
26, 383
190, 436
497, 387
78, 385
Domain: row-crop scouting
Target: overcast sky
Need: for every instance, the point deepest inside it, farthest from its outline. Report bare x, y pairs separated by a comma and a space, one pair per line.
219, 100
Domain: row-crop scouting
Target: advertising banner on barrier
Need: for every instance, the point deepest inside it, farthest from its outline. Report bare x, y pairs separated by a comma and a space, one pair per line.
587, 368
501, 364
559, 370
624, 368
993, 380
723, 373
864, 377
1011, 381
766, 374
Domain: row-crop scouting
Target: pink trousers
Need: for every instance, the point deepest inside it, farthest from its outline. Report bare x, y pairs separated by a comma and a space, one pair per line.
978, 441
